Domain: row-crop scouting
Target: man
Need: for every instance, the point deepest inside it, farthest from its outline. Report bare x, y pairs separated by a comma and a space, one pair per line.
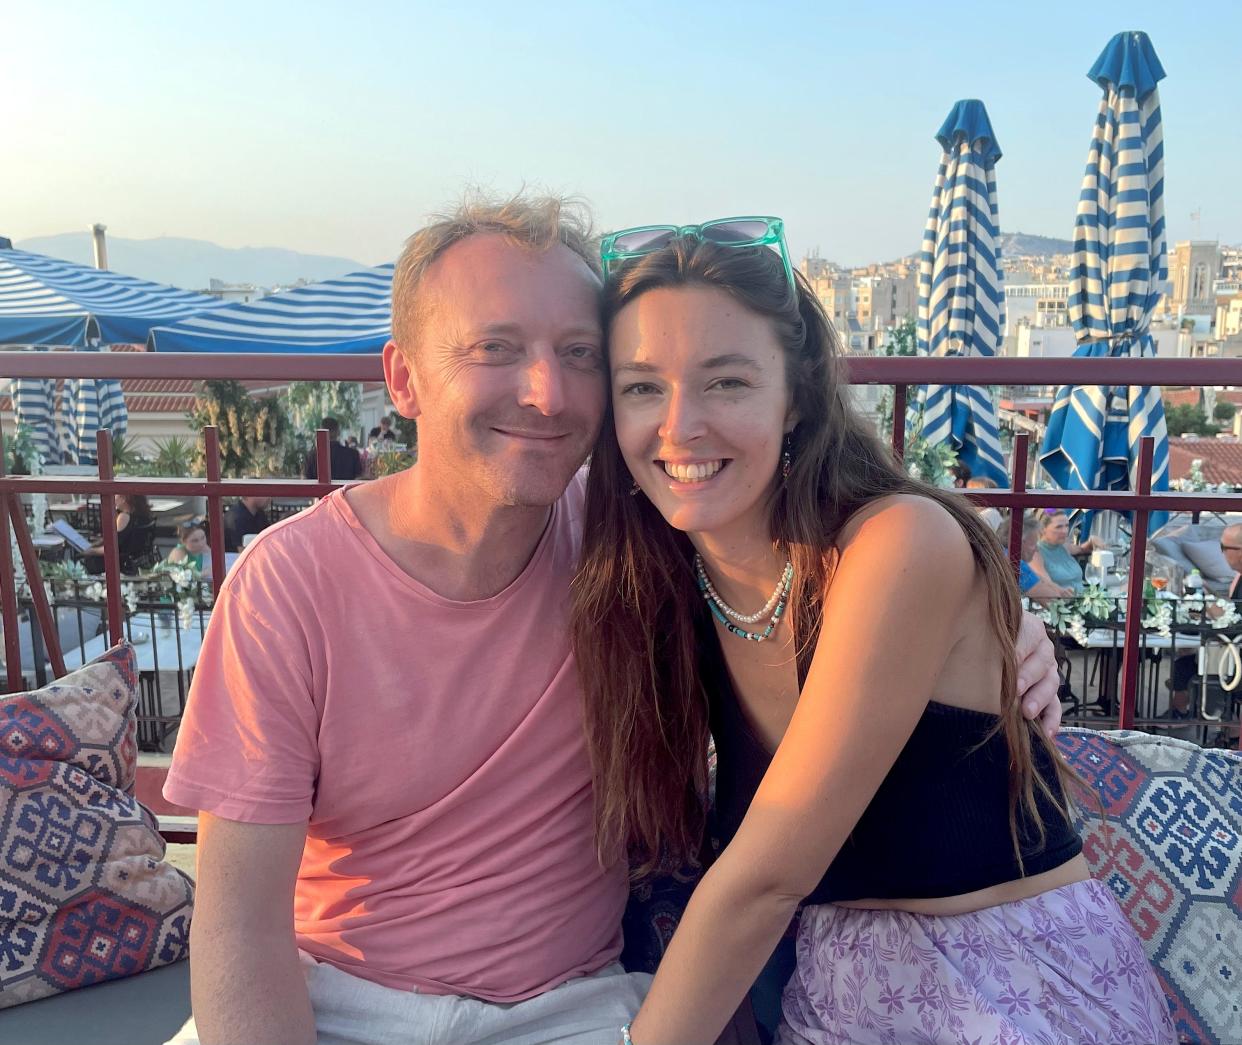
396, 839
1185, 669
382, 431
247, 516
345, 461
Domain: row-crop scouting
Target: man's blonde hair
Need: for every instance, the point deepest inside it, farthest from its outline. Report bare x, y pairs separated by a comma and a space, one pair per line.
537, 222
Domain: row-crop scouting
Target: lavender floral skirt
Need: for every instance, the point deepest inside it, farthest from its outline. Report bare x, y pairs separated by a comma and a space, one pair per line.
1064, 966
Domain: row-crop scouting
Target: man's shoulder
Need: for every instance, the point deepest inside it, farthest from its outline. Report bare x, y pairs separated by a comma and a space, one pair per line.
291, 547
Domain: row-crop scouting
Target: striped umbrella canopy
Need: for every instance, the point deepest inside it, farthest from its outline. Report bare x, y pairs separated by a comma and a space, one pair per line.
350, 314
961, 290
46, 301
1120, 265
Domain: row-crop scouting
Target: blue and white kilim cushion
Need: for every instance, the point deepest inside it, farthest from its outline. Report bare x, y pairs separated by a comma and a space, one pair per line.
1170, 847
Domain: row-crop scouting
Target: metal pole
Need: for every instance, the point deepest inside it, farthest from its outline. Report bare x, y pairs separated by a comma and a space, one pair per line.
1019, 486
215, 510
1134, 596
899, 421
8, 595
112, 554
34, 577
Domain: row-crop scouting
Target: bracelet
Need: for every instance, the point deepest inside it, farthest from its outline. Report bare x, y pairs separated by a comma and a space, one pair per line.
625, 1035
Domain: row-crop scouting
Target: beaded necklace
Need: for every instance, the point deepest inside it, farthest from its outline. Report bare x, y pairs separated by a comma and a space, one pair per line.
722, 611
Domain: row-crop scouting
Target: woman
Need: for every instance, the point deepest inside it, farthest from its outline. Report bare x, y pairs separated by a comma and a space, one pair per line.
133, 523
192, 547
861, 694
1031, 584
1054, 556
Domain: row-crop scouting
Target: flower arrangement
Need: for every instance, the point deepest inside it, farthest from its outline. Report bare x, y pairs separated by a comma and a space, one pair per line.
1160, 610
1194, 482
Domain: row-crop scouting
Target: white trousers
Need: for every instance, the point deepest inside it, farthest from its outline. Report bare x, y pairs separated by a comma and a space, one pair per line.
589, 1010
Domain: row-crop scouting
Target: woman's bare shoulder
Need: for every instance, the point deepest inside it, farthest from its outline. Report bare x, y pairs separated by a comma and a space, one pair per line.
903, 521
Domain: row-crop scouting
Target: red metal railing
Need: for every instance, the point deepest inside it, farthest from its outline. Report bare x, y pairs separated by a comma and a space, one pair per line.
900, 372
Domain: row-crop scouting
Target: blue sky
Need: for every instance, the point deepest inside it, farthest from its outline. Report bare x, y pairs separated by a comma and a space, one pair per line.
337, 127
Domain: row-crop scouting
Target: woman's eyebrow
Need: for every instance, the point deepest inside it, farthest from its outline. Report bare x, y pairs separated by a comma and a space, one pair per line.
729, 359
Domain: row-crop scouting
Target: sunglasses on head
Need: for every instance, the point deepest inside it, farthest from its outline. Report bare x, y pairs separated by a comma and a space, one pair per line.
726, 232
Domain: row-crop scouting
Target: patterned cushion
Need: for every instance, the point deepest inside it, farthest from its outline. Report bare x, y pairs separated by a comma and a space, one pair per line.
84, 894
1170, 847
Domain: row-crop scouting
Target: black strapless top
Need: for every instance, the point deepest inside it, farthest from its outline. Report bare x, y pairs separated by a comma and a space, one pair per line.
937, 826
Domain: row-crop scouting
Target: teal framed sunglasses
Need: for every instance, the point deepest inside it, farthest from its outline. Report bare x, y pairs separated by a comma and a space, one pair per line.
727, 232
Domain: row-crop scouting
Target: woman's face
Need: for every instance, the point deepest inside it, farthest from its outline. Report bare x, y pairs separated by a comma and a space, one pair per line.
701, 406
196, 542
1056, 530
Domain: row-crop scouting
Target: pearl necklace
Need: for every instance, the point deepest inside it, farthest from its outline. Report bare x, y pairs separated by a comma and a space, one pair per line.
722, 611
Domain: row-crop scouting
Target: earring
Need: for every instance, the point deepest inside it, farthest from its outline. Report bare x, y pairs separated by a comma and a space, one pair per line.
633, 488
787, 456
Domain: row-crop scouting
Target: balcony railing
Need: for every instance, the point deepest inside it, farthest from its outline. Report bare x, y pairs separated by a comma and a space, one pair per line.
899, 372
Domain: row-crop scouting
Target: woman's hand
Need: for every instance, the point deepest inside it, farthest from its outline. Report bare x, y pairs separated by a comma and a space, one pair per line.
1038, 678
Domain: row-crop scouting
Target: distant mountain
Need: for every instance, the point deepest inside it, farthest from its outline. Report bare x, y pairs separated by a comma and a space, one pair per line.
1014, 244
192, 263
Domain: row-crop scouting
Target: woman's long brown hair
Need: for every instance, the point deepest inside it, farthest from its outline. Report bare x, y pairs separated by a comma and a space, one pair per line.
635, 600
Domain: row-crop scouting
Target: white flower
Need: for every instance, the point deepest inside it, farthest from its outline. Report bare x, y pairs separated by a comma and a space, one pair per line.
1077, 628
1160, 620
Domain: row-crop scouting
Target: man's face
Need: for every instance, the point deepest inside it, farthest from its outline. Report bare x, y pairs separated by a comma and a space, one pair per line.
1231, 546
506, 377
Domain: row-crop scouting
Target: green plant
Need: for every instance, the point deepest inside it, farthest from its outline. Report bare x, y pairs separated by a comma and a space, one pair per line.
389, 463
902, 339
1187, 418
249, 428
309, 402
174, 456
1224, 412
21, 457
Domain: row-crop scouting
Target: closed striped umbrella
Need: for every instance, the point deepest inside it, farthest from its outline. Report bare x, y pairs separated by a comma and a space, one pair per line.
92, 404
961, 289
34, 408
1120, 266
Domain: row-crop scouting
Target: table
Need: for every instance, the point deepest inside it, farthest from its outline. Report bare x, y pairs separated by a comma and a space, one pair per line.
47, 542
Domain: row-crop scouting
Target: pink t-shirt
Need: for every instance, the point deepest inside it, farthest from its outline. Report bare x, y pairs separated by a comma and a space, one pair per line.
436, 747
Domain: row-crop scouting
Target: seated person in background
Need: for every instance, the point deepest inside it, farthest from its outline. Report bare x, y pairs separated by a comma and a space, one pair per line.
1054, 555
1186, 668
191, 547
1032, 585
961, 475
383, 430
345, 460
248, 515
133, 521
990, 516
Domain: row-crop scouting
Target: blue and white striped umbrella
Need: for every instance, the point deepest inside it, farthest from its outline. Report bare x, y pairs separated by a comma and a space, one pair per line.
34, 407
1120, 266
351, 314
961, 290
46, 301
91, 405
